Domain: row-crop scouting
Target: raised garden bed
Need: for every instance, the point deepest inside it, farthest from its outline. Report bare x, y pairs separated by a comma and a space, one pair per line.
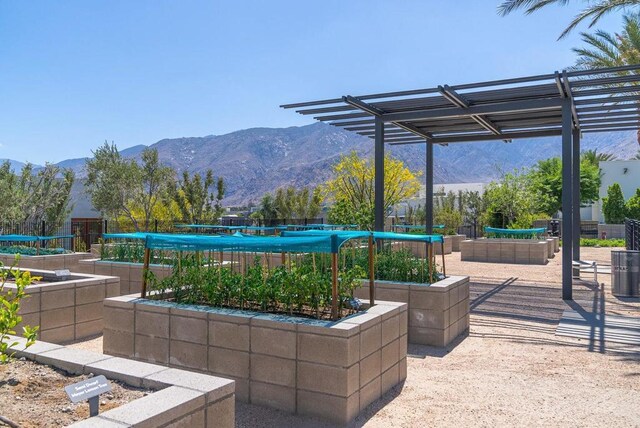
33, 395
438, 312
181, 398
47, 262
329, 369
67, 308
504, 250
130, 274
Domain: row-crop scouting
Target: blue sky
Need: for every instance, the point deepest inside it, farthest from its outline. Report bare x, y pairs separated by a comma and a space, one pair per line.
76, 73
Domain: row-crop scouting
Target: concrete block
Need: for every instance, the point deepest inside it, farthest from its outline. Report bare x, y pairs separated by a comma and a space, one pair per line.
57, 318
89, 312
90, 294
88, 329
279, 371
390, 378
339, 410
328, 379
152, 324
426, 336
214, 387
118, 319
152, 349
222, 414
229, 335
56, 299
328, 350
370, 368
31, 303
128, 371
193, 330
159, 408
426, 299
229, 362
70, 360
274, 396
427, 318
188, 355
117, 343
390, 329
370, 340
370, 393
268, 341
390, 355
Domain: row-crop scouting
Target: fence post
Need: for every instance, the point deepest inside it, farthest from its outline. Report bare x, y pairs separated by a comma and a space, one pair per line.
105, 227
43, 230
156, 225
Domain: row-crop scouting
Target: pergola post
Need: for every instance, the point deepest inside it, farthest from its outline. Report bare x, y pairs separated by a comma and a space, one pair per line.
379, 176
567, 202
576, 194
428, 197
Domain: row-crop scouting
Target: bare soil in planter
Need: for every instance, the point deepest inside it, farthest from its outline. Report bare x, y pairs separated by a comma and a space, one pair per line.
32, 395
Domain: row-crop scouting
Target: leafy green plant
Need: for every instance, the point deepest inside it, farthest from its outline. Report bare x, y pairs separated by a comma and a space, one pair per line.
10, 300
613, 205
633, 206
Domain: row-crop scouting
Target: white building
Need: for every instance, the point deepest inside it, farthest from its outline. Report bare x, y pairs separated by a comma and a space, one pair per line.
624, 172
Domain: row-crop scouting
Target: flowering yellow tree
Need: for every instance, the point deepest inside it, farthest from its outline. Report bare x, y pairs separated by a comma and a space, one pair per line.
352, 188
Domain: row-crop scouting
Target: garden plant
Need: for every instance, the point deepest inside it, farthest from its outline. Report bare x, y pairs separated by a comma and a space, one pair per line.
10, 301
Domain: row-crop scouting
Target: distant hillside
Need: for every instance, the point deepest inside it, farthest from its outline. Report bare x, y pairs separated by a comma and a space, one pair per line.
259, 160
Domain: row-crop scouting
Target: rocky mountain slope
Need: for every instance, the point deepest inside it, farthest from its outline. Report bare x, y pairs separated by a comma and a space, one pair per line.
259, 160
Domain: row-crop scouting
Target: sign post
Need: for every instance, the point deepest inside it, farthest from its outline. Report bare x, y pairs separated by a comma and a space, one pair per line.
90, 390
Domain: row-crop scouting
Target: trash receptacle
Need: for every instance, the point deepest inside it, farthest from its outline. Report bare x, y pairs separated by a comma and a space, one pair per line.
625, 273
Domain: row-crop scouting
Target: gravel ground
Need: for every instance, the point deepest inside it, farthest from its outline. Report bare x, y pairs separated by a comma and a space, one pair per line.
512, 369
32, 395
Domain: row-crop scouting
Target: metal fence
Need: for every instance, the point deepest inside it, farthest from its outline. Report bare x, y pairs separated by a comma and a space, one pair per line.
632, 234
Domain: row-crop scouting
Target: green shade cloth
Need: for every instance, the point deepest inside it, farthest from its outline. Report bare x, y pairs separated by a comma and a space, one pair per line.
345, 235
303, 244
514, 232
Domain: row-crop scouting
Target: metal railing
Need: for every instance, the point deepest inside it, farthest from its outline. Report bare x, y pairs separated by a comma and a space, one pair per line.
632, 234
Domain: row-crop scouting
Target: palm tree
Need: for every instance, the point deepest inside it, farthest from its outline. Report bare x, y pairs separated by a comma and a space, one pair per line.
593, 11
594, 158
611, 50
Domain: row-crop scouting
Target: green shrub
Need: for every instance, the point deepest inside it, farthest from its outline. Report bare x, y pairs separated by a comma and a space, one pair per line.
613, 205
10, 301
633, 206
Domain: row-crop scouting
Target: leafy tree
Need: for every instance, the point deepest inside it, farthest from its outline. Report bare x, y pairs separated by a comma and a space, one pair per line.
446, 212
473, 206
613, 206
195, 200
123, 190
546, 183
632, 206
593, 11
43, 195
508, 200
289, 203
352, 188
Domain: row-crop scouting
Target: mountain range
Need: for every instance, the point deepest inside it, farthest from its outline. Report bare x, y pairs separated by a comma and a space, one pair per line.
259, 160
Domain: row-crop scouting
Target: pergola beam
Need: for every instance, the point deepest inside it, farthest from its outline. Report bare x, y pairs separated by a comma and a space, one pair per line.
496, 108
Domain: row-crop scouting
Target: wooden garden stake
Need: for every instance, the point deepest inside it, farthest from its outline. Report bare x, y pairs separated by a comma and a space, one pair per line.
334, 286
372, 282
145, 272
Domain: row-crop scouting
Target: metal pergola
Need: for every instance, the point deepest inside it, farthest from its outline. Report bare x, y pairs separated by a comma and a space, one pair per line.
565, 104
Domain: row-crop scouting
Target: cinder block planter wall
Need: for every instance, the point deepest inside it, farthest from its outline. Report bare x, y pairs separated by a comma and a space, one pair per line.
419, 249
520, 251
438, 313
455, 242
182, 399
67, 310
332, 370
49, 262
130, 274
